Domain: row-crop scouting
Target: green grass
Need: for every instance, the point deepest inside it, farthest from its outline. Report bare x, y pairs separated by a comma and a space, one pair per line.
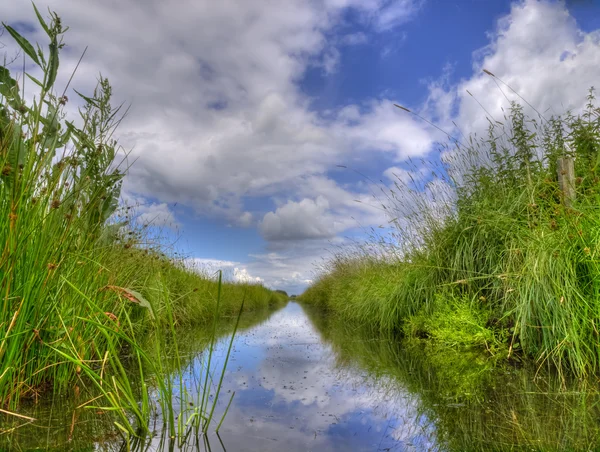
499, 257
470, 401
79, 288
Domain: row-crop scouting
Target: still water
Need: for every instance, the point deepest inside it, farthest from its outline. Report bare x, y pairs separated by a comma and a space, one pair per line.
292, 396
306, 382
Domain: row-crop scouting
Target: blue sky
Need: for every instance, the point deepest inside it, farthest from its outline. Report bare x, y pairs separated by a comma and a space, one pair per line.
242, 111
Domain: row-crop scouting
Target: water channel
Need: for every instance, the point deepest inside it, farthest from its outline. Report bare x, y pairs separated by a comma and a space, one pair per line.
306, 382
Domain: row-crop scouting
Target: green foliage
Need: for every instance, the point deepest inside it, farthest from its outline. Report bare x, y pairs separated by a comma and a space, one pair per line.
77, 290
455, 322
472, 402
506, 241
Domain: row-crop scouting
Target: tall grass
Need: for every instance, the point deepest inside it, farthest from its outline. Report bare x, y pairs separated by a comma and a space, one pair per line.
493, 234
78, 290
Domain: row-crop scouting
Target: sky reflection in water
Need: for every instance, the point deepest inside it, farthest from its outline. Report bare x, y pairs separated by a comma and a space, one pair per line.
291, 396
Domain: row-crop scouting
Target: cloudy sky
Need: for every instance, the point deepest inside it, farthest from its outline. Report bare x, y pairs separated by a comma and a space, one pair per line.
262, 131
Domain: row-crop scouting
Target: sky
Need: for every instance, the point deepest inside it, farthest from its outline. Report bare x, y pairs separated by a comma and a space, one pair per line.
262, 134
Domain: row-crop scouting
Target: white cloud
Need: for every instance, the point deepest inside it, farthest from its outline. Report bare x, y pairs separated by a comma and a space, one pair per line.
307, 219
245, 219
209, 267
158, 215
149, 213
539, 51
290, 269
353, 39
218, 117
217, 114
231, 270
382, 127
242, 275
383, 14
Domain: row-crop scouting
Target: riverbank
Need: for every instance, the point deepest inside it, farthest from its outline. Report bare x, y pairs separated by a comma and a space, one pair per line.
469, 400
68, 425
498, 250
83, 280
304, 379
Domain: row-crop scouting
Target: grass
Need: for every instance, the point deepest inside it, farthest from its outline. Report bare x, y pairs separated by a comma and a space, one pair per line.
79, 288
487, 252
468, 401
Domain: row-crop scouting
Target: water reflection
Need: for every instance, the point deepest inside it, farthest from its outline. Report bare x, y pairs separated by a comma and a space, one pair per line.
476, 404
306, 381
291, 396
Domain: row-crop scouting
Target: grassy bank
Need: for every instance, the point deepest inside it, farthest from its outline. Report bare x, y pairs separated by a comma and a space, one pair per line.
79, 286
509, 262
65, 427
470, 402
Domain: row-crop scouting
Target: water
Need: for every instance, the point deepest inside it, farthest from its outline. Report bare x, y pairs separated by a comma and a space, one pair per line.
306, 382
291, 395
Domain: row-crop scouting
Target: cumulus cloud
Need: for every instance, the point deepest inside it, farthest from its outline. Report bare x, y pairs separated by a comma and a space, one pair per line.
242, 275
290, 269
157, 214
231, 270
154, 214
539, 51
307, 219
217, 115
